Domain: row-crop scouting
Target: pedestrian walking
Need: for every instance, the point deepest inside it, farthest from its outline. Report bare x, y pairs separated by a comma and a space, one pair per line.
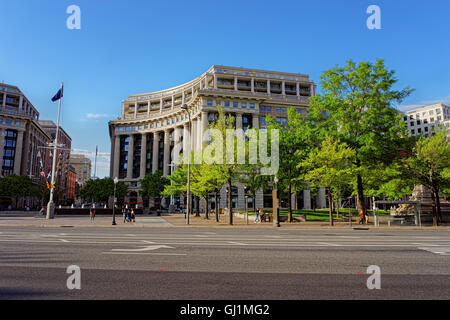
133, 216
361, 215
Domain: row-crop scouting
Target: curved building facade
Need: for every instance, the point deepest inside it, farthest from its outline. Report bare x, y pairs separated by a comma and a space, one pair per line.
151, 124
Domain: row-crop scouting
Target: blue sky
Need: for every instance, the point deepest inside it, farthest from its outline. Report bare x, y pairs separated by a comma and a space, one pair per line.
136, 46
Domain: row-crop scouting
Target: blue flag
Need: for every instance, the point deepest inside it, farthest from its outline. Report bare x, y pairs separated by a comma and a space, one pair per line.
58, 96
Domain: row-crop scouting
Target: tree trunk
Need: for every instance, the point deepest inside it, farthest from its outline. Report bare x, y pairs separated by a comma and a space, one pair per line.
433, 209
197, 206
207, 207
330, 201
361, 206
290, 203
230, 205
338, 203
436, 206
217, 206
254, 203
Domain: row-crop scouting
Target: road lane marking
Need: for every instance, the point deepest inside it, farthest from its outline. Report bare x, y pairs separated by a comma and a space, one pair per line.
330, 244
149, 248
443, 251
238, 243
63, 240
148, 253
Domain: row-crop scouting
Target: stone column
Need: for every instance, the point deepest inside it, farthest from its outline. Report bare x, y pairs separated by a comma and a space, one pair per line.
204, 127
283, 88
166, 153
194, 134
173, 101
130, 157
2, 144
155, 151
297, 89
312, 93
20, 103
18, 153
111, 159
215, 81
235, 83
123, 110
238, 120
116, 156
206, 81
255, 121
306, 199
176, 145
321, 199
160, 105
199, 134
253, 84
294, 201
135, 109
143, 156
268, 87
186, 140
148, 107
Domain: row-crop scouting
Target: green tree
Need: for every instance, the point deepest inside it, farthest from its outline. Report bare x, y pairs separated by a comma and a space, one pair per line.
17, 187
430, 166
99, 190
229, 170
153, 184
330, 167
356, 107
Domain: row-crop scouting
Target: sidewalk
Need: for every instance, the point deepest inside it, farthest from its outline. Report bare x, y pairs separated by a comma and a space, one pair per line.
32, 219
82, 221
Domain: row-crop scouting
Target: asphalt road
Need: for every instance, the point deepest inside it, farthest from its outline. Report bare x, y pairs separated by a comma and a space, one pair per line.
223, 263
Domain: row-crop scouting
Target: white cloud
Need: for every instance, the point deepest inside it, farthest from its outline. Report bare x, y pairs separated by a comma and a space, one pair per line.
98, 115
444, 100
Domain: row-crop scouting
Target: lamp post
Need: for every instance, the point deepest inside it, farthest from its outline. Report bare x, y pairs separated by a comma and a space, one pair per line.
185, 107
116, 180
246, 204
276, 204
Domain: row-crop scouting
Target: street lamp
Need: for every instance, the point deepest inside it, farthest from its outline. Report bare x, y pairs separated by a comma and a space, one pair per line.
246, 204
185, 107
276, 204
116, 180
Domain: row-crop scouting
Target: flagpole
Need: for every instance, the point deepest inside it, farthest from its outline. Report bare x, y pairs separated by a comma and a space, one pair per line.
51, 205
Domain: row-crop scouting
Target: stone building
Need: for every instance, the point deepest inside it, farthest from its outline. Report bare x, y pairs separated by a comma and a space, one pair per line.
151, 124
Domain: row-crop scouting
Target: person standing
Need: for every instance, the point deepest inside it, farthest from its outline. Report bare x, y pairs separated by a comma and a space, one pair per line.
258, 216
133, 216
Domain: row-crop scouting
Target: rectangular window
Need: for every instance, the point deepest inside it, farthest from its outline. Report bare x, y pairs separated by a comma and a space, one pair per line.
227, 103
252, 106
262, 108
243, 105
235, 104
218, 103
269, 109
278, 109
263, 120
209, 102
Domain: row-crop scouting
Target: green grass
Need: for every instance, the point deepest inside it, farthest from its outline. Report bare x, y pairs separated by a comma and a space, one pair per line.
320, 214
